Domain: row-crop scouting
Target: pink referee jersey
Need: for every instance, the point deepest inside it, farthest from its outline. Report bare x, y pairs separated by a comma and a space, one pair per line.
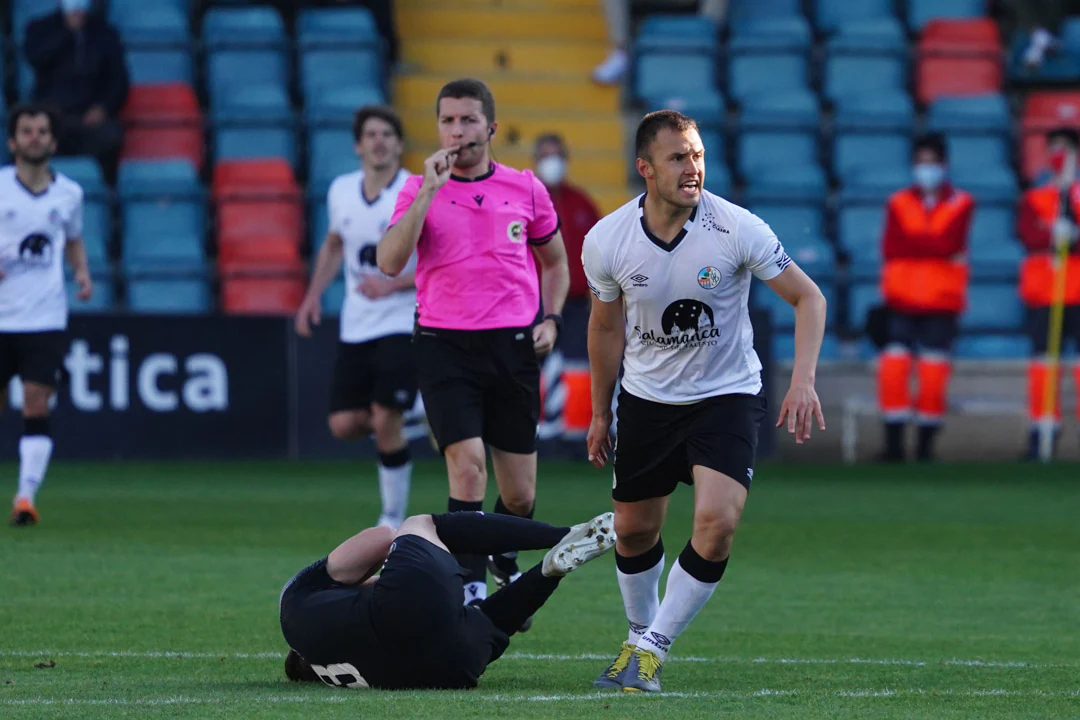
474, 268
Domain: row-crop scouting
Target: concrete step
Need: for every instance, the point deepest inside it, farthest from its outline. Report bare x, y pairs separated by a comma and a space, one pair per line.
474, 21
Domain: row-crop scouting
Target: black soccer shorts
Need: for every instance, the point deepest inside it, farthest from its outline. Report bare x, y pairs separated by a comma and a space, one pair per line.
658, 445
380, 370
34, 356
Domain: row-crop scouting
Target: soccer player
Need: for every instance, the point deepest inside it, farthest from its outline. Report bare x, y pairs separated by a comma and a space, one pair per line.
374, 380
40, 227
476, 226
671, 274
407, 627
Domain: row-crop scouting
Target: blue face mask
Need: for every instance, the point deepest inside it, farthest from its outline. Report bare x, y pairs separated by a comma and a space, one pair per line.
929, 176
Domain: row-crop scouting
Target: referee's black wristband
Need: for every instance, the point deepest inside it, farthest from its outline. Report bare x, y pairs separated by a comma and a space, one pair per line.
557, 319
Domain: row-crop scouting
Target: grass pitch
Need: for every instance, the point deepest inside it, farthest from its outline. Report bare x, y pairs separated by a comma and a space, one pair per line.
151, 591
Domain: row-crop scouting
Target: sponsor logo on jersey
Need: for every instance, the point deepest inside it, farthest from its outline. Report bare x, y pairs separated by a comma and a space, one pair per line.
710, 220
708, 277
36, 250
685, 324
515, 231
479, 199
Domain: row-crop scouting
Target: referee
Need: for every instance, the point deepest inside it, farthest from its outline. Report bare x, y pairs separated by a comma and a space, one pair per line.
476, 226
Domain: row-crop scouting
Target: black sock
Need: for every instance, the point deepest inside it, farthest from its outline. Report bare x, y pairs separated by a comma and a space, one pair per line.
924, 449
475, 565
697, 567
475, 532
894, 440
640, 563
511, 606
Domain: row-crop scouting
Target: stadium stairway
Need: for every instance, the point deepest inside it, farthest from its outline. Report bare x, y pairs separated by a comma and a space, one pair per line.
536, 55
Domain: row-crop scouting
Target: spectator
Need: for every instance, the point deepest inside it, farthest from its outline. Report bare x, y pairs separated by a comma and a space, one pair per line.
79, 68
578, 214
924, 283
1041, 19
617, 12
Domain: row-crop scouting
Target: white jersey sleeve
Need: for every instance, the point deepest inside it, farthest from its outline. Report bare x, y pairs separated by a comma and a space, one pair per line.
598, 269
763, 254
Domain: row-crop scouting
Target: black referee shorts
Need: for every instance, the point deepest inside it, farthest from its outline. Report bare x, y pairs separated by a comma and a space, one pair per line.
480, 383
1038, 327
657, 445
380, 370
34, 356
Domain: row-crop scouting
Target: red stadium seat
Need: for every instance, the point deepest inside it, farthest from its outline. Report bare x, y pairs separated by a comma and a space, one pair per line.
157, 103
939, 76
163, 122
280, 253
260, 218
271, 178
978, 37
254, 294
150, 142
1049, 109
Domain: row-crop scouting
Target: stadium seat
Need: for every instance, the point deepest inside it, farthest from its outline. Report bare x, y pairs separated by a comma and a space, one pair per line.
789, 110
875, 151
878, 36
259, 105
335, 106
706, 106
117, 8
994, 254
971, 114
228, 69
336, 68
321, 28
774, 150
149, 142
718, 179
979, 36
783, 315
266, 251
242, 219
791, 223
832, 15
244, 294
715, 143
861, 228
992, 346
749, 74
164, 103
971, 153
866, 184
333, 298
783, 347
856, 75
993, 307
921, 12
330, 153
764, 9
938, 76
1048, 109
667, 75
267, 179
664, 33
180, 296
242, 27
97, 234
102, 301
153, 27
163, 121
143, 179
84, 170
147, 67
164, 236
319, 222
813, 254
791, 183
874, 111
989, 184
789, 33
23, 12
243, 142
862, 297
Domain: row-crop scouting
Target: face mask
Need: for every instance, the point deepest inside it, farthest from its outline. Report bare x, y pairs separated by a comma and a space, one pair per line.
551, 169
1058, 159
74, 5
929, 176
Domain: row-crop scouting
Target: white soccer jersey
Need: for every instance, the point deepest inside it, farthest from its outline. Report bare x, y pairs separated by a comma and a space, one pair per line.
34, 228
361, 223
688, 332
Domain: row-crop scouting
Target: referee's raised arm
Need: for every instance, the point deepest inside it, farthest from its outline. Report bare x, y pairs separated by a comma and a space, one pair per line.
399, 242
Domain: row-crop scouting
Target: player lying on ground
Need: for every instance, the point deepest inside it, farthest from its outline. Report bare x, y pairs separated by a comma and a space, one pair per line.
407, 627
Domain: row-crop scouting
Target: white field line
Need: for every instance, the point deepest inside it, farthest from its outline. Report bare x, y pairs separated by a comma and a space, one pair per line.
523, 656
341, 697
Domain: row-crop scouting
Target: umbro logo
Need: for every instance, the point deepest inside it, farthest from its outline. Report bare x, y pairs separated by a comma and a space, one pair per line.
479, 199
639, 280
659, 640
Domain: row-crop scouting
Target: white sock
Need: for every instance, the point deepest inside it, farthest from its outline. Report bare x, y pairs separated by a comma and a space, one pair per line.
475, 590
684, 596
34, 454
394, 489
641, 598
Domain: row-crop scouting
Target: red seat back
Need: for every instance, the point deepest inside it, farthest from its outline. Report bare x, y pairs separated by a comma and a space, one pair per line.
939, 76
164, 143
243, 294
238, 219
175, 102
978, 37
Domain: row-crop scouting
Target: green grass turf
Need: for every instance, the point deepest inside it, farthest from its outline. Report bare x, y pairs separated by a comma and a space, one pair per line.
959, 586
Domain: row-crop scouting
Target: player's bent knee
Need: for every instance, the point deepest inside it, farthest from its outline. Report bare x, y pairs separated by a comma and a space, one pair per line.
715, 528
635, 537
348, 425
519, 503
421, 526
36, 400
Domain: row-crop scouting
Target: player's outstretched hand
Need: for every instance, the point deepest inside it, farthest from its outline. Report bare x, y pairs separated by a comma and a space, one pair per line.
310, 313
598, 441
86, 285
544, 336
801, 407
437, 168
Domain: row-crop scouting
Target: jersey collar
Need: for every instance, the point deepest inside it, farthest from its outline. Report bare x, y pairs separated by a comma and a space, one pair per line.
31, 193
485, 176
375, 199
666, 247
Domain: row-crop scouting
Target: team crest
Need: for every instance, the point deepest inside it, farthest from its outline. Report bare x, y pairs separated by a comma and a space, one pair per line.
515, 231
54, 216
708, 277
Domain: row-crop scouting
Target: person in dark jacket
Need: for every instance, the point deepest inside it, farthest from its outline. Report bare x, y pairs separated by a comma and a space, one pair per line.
79, 68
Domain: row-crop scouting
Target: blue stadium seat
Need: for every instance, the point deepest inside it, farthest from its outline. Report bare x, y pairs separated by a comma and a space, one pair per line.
333, 298
783, 347
764, 9
792, 109
335, 68
1063, 65
243, 27
715, 143
860, 233
791, 223
24, 77
921, 12
970, 114
677, 33
874, 151
330, 153
152, 26
993, 307
790, 182
103, 299
705, 105
862, 297
783, 315
814, 255
154, 179
164, 237
989, 185
879, 36
879, 111
335, 106
776, 150
854, 75
253, 105
336, 28
663, 75
97, 234
749, 74
251, 142
992, 346
994, 258
865, 185
830, 15
318, 224
117, 8
180, 296
227, 69
718, 178
972, 154
85, 171
776, 34
149, 67
23, 12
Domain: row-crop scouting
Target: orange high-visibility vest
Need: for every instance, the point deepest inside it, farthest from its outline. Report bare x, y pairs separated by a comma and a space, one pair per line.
1037, 269
927, 284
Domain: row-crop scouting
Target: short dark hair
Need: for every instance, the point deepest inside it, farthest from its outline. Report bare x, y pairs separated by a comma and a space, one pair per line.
379, 112
469, 88
654, 122
30, 109
552, 138
1068, 134
934, 142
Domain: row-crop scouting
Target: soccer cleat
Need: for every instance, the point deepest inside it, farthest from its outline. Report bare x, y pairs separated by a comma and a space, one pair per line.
583, 543
615, 675
504, 570
23, 513
642, 672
